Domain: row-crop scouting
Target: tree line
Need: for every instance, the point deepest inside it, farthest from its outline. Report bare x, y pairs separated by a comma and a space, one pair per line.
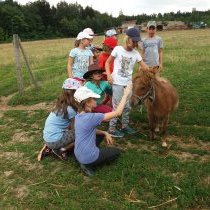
38, 20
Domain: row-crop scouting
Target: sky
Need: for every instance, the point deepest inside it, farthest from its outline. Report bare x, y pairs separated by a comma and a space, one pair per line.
135, 7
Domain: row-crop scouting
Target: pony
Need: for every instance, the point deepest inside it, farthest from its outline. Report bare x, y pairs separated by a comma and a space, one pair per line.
159, 97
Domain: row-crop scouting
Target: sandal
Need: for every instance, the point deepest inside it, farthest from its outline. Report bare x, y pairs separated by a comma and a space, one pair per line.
59, 154
45, 151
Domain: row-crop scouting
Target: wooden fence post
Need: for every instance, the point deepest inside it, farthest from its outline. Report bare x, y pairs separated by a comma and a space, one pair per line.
17, 61
27, 64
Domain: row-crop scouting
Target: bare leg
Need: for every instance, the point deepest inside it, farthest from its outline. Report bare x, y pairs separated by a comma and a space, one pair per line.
68, 147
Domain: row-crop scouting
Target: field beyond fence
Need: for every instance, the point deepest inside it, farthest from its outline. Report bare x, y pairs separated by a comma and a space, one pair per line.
145, 176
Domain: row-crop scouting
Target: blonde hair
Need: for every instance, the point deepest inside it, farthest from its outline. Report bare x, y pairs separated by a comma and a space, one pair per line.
77, 43
125, 39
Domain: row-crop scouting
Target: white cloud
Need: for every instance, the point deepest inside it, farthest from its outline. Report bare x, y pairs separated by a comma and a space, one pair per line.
134, 7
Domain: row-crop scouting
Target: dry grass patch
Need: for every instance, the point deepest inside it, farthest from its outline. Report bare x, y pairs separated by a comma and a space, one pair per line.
11, 155
21, 137
21, 191
8, 173
28, 166
189, 143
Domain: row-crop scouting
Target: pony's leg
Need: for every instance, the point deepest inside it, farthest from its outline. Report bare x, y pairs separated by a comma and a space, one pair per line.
163, 131
157, 125
151, 120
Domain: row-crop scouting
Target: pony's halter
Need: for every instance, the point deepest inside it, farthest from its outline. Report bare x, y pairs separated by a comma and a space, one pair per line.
149, 94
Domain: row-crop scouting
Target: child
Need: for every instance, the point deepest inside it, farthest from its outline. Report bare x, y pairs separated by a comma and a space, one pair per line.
124, 58
90, 32
80, 57
96, 53
108, 45
152, 47
87, 136
95, 83
111, 33
57, 136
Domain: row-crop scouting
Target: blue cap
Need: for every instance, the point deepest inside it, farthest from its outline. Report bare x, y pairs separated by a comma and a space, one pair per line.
134, 34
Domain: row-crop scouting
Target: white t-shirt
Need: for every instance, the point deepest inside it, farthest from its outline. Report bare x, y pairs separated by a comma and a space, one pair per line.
123, 65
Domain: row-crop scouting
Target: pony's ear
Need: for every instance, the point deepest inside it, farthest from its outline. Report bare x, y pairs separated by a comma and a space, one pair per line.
146, 73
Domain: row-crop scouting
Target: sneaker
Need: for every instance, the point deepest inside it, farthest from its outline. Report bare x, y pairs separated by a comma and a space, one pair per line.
128, 130
86, 170
59, 154
116, 133
45, 151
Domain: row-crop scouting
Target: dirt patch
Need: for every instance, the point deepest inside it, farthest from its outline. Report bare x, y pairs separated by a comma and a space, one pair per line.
189, 143
186, 156
28, 166
11, 155
8, 173
5, 99
177, 176
21, 137
42, 106
206, 181
21, 192
35, 126
1, 115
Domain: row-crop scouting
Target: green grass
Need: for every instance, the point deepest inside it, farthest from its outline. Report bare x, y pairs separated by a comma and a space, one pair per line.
145, 175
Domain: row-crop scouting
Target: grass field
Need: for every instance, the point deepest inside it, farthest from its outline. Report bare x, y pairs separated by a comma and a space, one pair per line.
145, 176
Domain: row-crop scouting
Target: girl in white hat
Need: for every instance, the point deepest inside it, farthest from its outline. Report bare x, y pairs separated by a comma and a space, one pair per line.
87, 136
80, 57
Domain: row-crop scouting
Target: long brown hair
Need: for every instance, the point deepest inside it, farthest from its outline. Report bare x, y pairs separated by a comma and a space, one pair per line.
82, 105
64, 100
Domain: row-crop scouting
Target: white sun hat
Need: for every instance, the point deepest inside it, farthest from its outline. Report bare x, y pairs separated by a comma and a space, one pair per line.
89, 31
111, 32
83, 93
71, 84
83, 35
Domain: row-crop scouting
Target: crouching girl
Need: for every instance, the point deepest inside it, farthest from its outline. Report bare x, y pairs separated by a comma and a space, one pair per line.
58, 134
87, 136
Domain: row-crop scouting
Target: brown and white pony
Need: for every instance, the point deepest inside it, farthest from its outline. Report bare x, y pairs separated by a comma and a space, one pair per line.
159, 97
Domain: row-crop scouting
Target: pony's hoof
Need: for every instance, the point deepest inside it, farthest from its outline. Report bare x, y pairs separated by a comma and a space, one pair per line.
157, 129
164, 144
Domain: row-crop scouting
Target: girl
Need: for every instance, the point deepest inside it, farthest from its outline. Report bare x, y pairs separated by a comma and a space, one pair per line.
87, 137
80, 57
108, 45
111, 33
124, 58
96, 53
58, 136
98, 86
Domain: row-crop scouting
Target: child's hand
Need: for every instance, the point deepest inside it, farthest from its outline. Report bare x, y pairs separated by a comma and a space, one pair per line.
108, 138
109, 79
128, 89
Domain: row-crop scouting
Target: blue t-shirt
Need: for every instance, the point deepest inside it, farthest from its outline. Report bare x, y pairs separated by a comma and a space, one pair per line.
81, 61
55, 125
85, 148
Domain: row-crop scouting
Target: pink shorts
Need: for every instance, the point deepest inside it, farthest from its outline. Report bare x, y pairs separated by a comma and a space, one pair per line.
102, 108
